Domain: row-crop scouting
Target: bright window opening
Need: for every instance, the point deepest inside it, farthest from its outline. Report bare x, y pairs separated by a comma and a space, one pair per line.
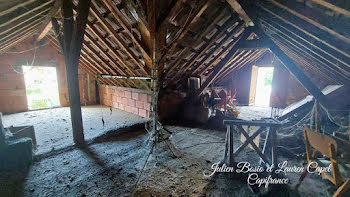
41, 87
263, 86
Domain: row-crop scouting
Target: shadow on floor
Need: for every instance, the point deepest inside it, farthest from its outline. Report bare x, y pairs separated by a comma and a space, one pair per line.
12, 183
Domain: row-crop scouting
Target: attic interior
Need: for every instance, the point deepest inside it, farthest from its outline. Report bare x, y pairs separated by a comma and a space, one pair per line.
175, 98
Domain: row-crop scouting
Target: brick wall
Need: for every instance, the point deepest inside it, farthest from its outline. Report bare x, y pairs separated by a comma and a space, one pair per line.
132, 100
12, 87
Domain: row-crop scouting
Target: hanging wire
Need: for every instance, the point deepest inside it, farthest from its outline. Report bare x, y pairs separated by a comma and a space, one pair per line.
27, 50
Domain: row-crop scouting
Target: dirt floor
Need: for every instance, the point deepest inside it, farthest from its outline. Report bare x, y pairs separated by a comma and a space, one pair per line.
53, 127
253, 112
112, 168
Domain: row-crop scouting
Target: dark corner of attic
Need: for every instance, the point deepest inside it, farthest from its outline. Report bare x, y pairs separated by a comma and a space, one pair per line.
175, 98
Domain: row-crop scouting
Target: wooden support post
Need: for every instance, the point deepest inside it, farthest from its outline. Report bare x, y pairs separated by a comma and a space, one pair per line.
230, 146
273, 147
2, 133
71, 43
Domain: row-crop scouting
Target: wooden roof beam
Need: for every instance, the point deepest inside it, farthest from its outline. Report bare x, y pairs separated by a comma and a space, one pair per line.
109, 47
221, 65
295, 70
323, 58
171, 14
119, 16
113, 69
191, 20
210, 43
117, 38
332, 7
237, 65
240, 11
224, 50
16, 40
200, 37
313, 22
47, 25
6, 20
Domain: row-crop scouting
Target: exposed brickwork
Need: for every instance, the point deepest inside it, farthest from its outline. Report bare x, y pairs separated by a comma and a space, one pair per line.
132, 100
12, 87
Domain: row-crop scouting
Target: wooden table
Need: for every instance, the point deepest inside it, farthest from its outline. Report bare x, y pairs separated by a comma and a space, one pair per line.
269, 125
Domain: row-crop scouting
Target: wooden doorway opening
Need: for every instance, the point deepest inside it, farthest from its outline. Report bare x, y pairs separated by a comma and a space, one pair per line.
261, 86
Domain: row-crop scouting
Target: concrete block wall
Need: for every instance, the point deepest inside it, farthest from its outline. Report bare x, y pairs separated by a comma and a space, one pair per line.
132, 100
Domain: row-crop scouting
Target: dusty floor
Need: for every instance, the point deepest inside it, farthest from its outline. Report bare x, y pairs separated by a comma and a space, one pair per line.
53, 127
253, 112
112, 167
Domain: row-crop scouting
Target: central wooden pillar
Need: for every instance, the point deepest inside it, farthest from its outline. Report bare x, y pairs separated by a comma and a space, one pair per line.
71, 43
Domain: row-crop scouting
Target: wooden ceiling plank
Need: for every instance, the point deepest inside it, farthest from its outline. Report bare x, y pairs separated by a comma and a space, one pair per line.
221, 65
320, 53
238, 59
111, 49
171, 14
303, 30
10, 27
98, 71
113, 69
90, 62
16, 41
215, 59
12, 9
32, 25
191, 20
316, 64
208, 45
47, 25
313, 22
198, 69
140, 13
120, 18
115, 36
294, 69
223, 77
199, 39
103, 67
237, 65
26, 13
320, 58
240, 11
332, 7
8, 39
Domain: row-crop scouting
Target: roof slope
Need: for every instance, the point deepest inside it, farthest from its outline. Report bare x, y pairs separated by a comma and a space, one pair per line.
314, 34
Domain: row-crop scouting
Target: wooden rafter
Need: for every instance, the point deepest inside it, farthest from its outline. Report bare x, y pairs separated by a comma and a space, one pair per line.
208, 45
117, 38
311, 21
322, 58
240, 11
191, 20
47, 25
121, 20
7, 21
200, 38
221, 65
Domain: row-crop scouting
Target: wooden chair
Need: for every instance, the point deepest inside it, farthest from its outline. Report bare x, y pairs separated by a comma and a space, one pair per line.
328, 147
